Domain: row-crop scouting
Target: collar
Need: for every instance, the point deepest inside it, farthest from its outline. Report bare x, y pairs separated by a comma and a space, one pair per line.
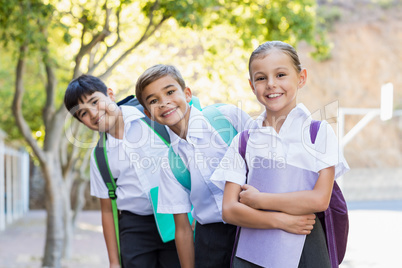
130, 114
299, 110
197, 124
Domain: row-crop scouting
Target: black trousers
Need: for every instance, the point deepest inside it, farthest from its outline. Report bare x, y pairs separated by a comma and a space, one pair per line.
141, 245
214, 245
314, 254
315, 251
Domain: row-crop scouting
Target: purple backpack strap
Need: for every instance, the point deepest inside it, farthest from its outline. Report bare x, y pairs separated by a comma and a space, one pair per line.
335, 220
243, 143
243, 139
314, 127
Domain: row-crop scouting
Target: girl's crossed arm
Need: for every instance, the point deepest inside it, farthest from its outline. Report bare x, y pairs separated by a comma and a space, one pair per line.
295, 203
240, 214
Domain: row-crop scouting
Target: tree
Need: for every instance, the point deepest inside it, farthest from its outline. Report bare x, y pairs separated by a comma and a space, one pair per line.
95, 38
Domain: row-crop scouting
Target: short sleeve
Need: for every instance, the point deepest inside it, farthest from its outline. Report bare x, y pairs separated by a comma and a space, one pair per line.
328, 151
97, 185
231, 168
173, 198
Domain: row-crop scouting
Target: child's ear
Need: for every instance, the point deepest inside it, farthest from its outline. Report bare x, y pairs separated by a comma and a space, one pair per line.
188, 94
110, 94
147, 113
251, 85
302, 78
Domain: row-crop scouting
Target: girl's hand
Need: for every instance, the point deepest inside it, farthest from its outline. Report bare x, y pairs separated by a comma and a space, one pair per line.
302, 224
249, 196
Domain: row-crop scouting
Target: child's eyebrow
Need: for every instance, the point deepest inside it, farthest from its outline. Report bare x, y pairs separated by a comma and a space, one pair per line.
164, 88
257, 73
79, 111
276, 69
87, 101
91, 99
83, 103
149, 96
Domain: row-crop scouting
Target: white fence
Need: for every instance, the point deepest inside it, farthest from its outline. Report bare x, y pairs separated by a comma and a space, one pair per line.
14, 183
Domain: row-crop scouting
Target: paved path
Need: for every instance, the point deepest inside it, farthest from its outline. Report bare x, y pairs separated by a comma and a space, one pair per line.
22, 244
375, 239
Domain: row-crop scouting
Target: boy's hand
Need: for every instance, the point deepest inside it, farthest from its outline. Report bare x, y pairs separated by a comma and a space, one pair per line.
249, 196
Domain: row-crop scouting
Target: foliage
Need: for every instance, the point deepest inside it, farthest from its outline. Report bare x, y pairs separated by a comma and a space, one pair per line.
34, 97
234, 26
322, 48
385, 4
23, 22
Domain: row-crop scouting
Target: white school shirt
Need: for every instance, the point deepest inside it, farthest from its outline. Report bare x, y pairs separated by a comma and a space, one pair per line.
292, 145
201, 152
135, 161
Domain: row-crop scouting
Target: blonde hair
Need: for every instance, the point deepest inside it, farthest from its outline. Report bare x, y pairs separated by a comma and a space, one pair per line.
264, 49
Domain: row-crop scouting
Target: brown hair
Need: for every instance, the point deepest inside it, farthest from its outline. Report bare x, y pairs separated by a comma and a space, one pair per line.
154, 73
264, 49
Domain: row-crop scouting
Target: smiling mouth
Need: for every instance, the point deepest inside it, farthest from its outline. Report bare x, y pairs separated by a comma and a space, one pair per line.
100, 119
274, 95
169, 112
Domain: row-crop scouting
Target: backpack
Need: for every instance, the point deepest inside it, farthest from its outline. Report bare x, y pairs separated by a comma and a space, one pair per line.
224, 128
335, 220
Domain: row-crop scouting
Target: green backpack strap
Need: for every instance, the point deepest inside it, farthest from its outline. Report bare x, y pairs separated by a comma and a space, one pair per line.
160, 130
177, 165
179, 169
102, 162
195, 102
221, 124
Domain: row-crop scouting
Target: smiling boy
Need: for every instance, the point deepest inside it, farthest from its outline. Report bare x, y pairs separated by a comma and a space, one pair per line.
165, 97
93, 104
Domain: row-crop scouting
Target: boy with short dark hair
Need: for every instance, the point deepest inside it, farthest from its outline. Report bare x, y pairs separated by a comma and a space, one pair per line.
129, 140
165, 97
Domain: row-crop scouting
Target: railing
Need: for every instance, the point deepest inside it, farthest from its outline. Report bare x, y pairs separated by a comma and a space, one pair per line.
14, 183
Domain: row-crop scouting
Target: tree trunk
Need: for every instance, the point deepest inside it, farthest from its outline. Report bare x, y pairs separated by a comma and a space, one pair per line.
55, 209
79, 201
51, 169
67, 217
